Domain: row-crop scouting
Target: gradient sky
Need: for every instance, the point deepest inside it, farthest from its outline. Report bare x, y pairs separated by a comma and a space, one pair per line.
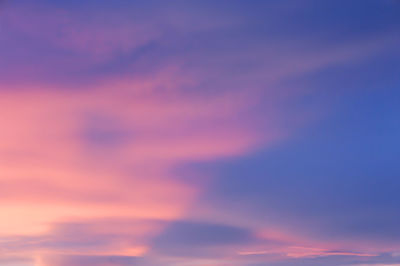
209, 133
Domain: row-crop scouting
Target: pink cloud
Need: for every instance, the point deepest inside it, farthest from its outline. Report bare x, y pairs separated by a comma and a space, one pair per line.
49, 173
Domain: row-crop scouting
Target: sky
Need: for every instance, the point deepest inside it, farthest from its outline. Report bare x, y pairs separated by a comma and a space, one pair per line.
199, 132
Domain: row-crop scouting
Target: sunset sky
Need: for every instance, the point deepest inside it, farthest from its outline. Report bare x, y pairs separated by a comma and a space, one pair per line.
199, 133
